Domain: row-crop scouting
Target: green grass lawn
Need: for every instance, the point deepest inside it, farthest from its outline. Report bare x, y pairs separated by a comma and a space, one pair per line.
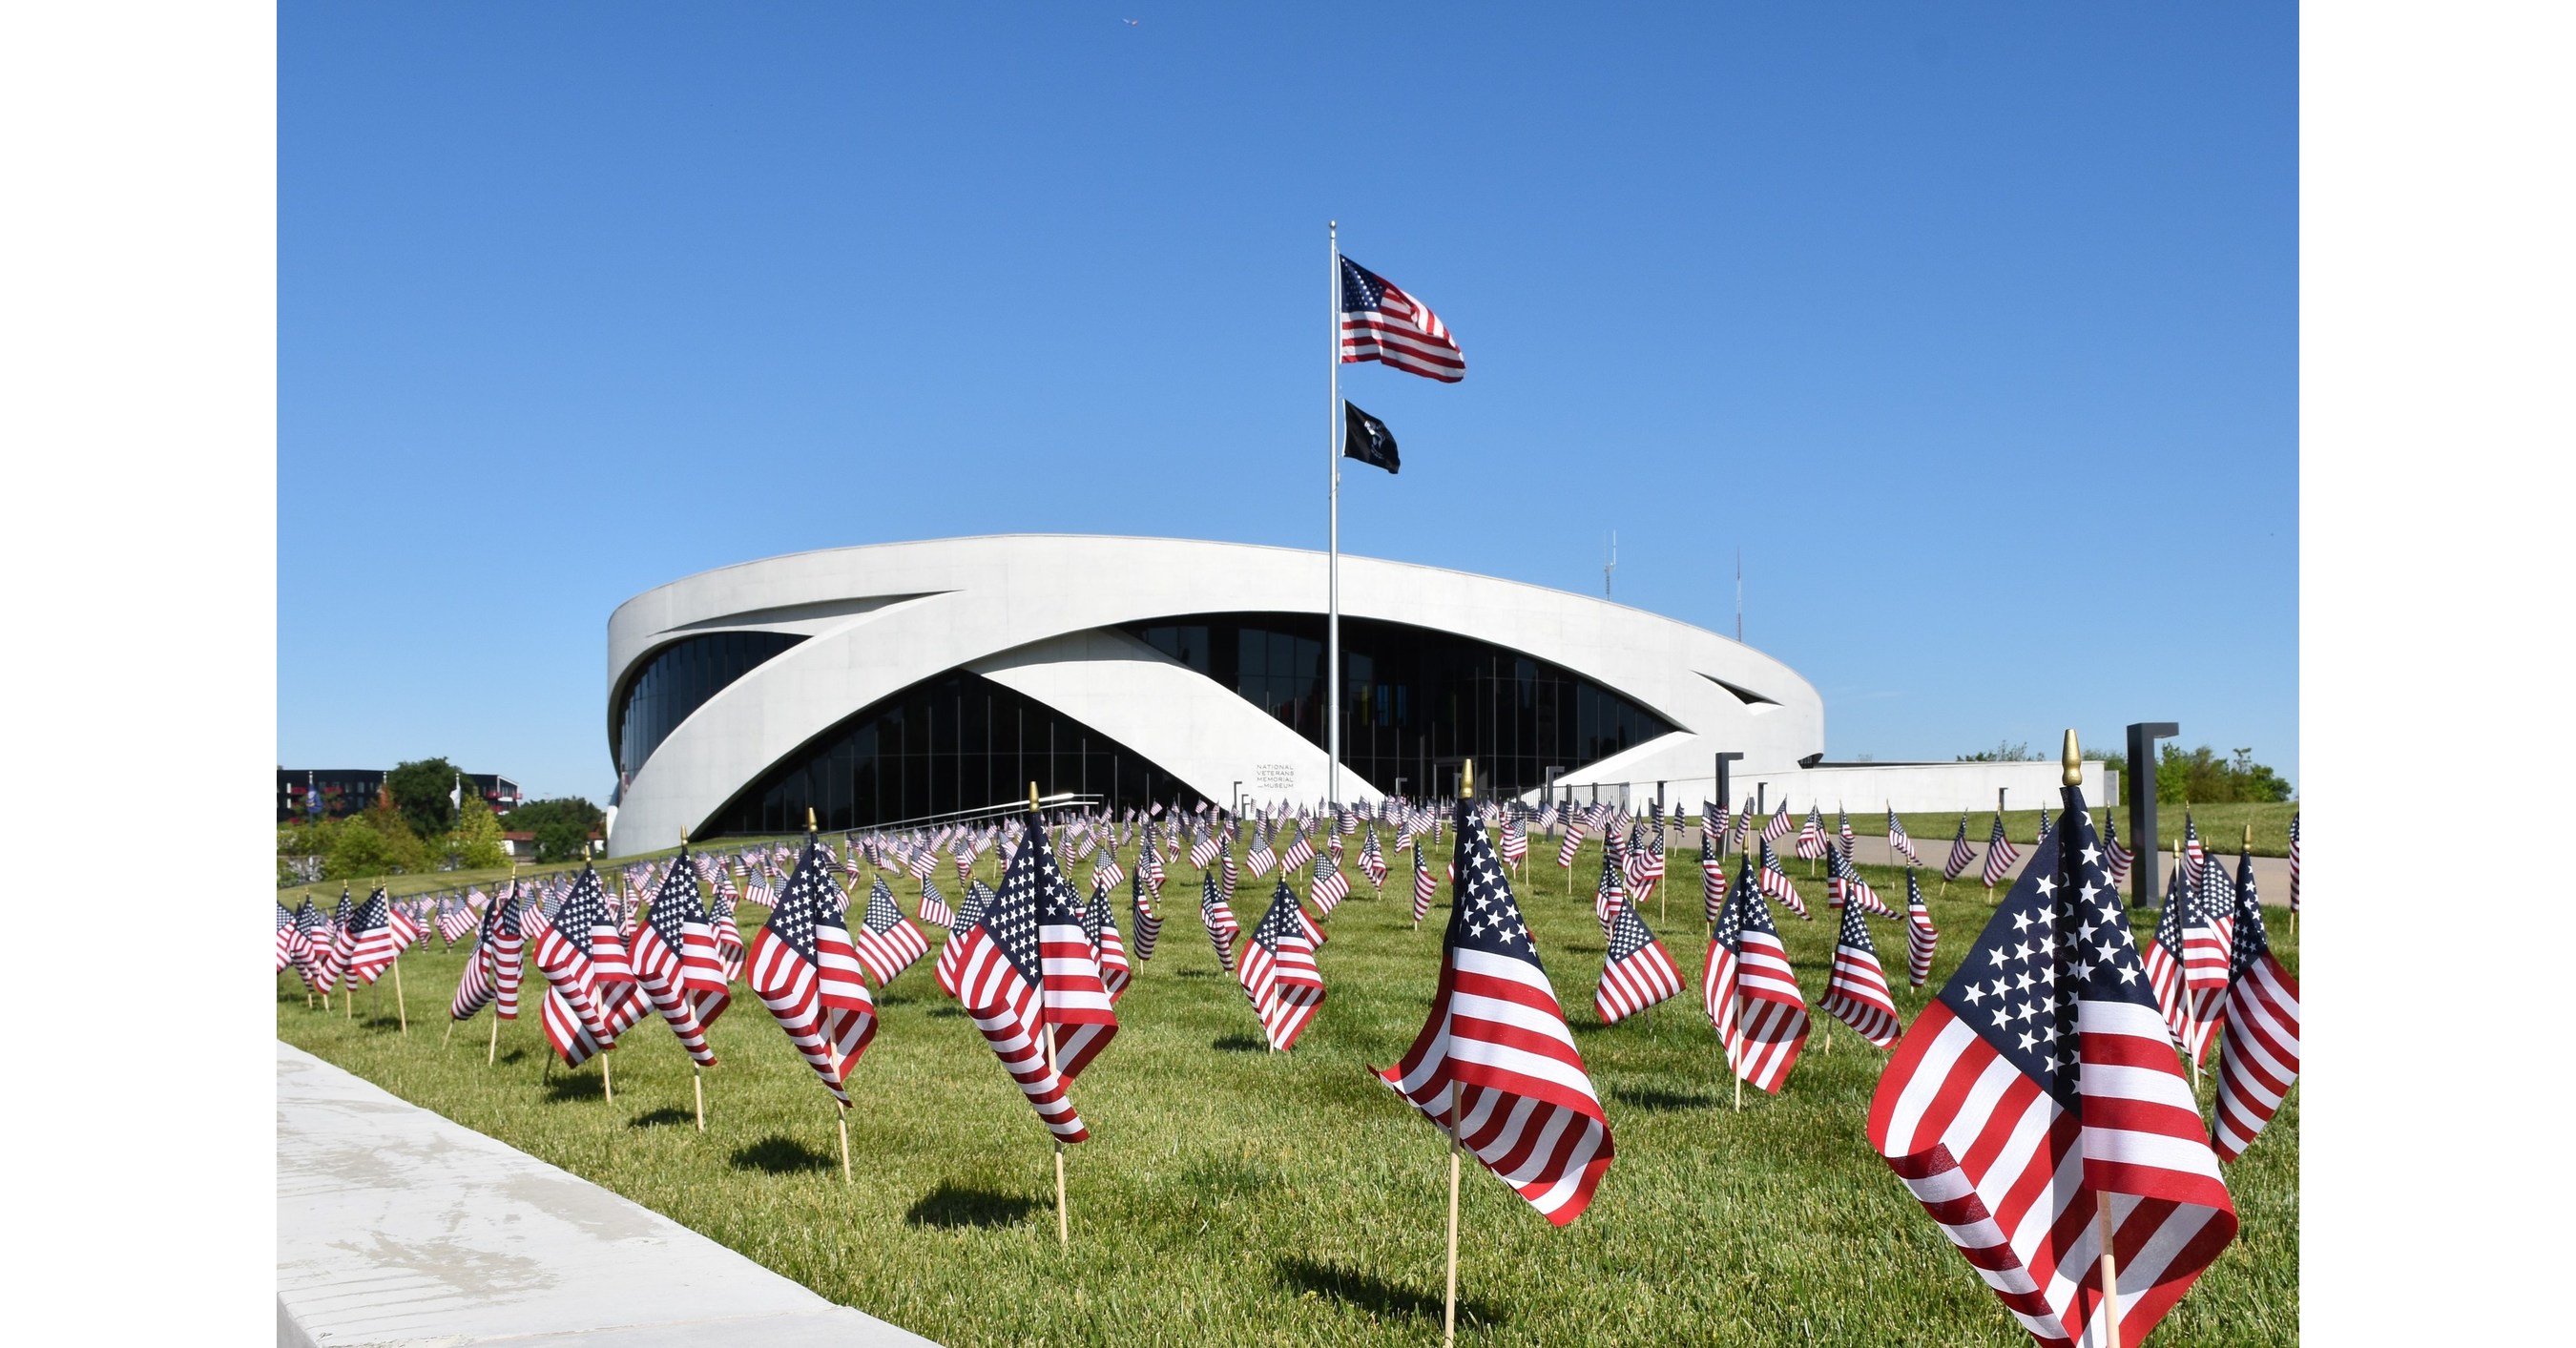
1232, 1196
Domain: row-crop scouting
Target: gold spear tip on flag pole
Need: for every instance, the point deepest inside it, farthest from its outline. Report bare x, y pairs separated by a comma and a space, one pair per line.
2249, 837
1033, 798
2074, 760
1466, 779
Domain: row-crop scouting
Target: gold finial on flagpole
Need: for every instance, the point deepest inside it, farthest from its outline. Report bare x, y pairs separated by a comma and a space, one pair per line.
1466, 778
2249, 837
1033, 798
2074, 760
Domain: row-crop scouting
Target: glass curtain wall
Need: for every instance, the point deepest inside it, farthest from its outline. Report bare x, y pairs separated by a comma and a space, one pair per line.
677, 681
955, 742
1415, 700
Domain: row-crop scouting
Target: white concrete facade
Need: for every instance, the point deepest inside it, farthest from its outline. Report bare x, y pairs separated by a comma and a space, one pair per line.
1040, 614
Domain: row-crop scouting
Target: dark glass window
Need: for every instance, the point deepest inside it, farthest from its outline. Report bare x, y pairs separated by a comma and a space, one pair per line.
677, 681
1413, 699
955, 742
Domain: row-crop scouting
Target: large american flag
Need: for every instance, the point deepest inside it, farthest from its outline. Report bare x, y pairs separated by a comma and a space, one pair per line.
1526, 1107
1027, 939
1856, 992
1278, 974
1636, 970
2261, 1007
804, 969
1382, 323
887, 943
2041, 1082
675, 961
1749, 991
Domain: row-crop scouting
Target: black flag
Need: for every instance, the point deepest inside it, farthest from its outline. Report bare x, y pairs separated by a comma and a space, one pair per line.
1366, 438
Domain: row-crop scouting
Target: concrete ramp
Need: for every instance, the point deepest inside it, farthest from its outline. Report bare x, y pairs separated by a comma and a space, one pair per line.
398, 1227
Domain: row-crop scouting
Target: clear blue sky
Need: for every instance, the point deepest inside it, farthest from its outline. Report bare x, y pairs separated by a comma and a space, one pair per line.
1974, 326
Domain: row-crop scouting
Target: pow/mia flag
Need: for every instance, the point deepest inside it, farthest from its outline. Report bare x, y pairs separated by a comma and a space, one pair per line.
1366, 438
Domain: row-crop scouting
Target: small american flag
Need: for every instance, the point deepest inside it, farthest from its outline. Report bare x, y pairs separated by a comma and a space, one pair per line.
2038, 1092
933, 907
2115, 857
887, 944
2163, 962
1610, 892
1897, 842
672, 946
1921, 937
287, 941
1259, 860
2208, 934
2000, 855
1846, 886
1856, 992
1843, 828
1014, 948
1962, 856
1515, 842
1203, 851
1279, 976
1218, 918
1373, 861
1779, 825
1636, 971
1300, 850
1774, 883
1329, 886
1147, 921
805, 970
1424, 884
576, 1014
952, 952
1107, 949
1749, 991
372, 942
2261, 1007
2294, 870
1811, 835
1712, 877
1514, 1095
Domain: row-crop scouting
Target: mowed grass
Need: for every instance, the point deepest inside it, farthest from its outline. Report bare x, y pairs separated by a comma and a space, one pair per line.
1234, 1196
2221, 827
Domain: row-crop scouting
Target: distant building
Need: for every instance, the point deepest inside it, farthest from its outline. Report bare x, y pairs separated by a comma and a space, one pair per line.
346, 791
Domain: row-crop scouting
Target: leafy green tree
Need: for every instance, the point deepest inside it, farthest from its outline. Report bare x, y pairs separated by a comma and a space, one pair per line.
420, 790
2200, 775
377, 842
475, 845
562, 826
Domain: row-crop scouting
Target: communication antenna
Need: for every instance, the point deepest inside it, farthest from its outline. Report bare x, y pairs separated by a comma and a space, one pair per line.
1611, 565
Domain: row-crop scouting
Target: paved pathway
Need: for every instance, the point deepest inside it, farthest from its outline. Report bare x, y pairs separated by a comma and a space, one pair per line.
2271, 874
398, 1227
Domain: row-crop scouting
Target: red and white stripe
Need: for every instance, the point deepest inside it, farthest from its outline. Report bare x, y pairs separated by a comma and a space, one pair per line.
1754, 1002
2261, 1056
2012, 1177
1009, 1011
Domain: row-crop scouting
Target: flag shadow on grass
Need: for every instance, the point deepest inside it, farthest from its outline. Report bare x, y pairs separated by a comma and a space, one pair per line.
779, 1154
662, 1118
573, 1085
950, 1206
1241, 1043
1660, 1102
1376, 1295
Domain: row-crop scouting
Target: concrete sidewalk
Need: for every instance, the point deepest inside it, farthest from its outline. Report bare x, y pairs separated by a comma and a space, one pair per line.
396, 1226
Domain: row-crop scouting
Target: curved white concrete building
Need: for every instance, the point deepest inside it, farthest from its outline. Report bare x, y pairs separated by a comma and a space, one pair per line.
900, 680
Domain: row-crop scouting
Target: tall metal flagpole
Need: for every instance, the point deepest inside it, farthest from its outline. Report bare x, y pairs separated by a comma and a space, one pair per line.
1333, 531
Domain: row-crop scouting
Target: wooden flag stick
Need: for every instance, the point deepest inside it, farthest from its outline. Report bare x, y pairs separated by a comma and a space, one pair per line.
845, 1145
1457, 1144
605, 1088
399, 1009
698, 1088
451, 1034
492, 1051
2110, 1268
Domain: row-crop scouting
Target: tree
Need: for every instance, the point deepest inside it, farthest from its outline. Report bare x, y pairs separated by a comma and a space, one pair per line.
2002, 753
562, 826
475, 845
377, 842
420, 790
2201, 776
